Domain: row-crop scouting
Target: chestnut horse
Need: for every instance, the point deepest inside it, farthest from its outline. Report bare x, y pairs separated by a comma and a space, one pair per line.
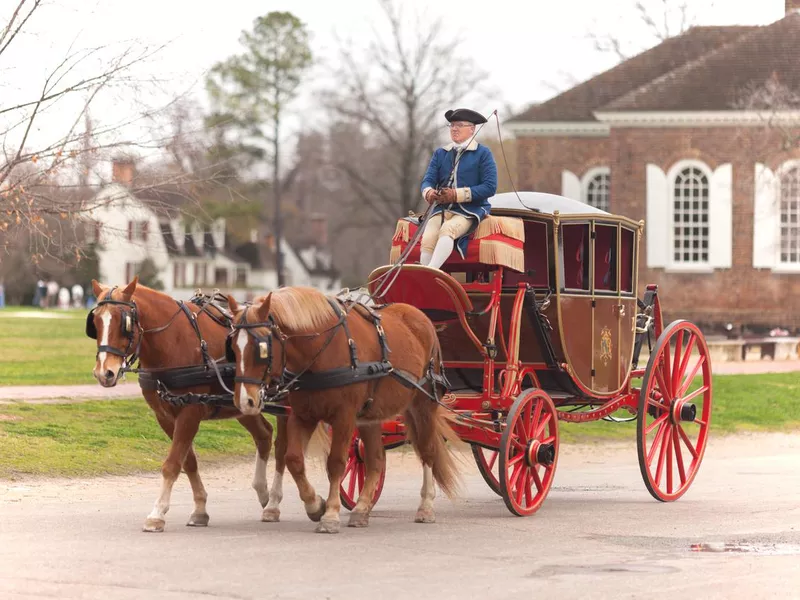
143, 320
299, 330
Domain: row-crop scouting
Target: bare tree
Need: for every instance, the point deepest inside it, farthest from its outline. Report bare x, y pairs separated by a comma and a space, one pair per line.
390, 98
661, 20
44, 178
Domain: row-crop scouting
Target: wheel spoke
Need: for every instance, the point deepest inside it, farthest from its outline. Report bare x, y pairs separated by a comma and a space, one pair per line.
518, 469
515, 460
666, 372
360, 472
678, 457
521, 485
542, 425
665, 392
696, 393
656, 441
493, 460
688, 381
662, 454
533, 433
657, 404
536, 479
669, 463
519, 429
656, 423
528, 488
549, 440
676, 360
686, 357
686, 441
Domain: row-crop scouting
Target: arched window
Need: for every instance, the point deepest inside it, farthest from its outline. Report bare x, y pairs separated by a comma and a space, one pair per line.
790, 216
596, 188
690, 216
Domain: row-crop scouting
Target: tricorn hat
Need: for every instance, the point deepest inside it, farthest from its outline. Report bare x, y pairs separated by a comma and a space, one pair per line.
464, 114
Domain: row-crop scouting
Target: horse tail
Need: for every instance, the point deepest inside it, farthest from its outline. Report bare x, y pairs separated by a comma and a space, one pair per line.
319, 444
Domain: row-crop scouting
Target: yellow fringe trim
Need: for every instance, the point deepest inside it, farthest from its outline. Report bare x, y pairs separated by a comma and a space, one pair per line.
394, 254
508, 226
401, 232
497, 253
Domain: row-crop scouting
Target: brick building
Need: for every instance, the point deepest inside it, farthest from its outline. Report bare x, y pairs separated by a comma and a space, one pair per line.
700, 137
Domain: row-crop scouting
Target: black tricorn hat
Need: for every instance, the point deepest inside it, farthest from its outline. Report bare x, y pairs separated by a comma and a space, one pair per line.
464, 114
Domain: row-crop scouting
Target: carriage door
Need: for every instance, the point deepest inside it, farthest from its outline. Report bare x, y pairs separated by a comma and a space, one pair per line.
608, 310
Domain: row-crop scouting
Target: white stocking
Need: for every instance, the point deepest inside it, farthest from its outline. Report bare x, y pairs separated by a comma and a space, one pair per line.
441, 252
425, 257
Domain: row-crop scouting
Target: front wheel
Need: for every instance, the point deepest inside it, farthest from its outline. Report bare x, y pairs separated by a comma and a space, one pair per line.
355, 474
528, 452
488, 465
674, 411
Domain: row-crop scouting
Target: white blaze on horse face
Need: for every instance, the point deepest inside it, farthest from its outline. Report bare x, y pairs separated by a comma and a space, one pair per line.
105, 318
241, 343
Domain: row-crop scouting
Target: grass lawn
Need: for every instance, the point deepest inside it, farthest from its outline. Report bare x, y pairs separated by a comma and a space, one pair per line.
100, 438
117, 437
41, 351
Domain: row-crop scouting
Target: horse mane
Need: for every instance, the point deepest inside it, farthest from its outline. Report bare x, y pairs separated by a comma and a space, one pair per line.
301, 309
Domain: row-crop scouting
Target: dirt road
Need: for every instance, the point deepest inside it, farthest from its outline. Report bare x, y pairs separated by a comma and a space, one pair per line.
598, 535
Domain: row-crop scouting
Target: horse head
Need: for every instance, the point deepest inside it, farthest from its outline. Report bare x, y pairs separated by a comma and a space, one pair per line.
114, 323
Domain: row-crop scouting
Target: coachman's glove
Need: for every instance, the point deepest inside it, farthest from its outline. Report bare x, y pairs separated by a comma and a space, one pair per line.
447, 196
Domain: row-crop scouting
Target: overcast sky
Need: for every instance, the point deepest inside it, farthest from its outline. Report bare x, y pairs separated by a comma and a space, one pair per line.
528, 47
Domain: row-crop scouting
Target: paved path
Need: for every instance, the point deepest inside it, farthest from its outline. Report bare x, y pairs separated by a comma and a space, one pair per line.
61, 393
598, 535
71, 393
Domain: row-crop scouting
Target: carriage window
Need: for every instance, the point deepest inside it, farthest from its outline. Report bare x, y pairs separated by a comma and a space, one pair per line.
605, 258
536, 259
626, 260
575, 256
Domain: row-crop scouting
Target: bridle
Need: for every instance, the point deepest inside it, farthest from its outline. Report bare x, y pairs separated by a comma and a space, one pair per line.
285, 381
130, 323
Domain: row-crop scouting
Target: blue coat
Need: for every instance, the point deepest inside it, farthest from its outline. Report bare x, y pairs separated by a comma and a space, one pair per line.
475, 182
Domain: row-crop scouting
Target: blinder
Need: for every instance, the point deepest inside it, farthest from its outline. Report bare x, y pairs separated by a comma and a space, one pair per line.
91, 330
229, 355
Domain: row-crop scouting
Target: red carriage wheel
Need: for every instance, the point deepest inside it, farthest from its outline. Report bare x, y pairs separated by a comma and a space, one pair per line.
355, 474
674, 411
528, 452
488, 464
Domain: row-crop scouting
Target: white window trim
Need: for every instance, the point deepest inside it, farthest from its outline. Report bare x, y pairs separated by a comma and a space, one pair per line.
780, 267
681, 267
587, 178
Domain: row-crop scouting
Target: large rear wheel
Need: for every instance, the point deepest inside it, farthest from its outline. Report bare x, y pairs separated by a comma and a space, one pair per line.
528, 452
674, 411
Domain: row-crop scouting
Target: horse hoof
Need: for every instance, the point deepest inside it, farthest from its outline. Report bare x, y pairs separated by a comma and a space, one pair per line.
317, 514
271, 515
358, 519
198, 520
425, 516
153, 525
328, 526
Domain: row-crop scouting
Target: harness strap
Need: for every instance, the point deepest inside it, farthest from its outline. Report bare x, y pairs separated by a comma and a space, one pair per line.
341, 376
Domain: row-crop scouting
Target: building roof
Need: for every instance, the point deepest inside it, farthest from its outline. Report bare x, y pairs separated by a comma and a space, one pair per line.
733, 76
579, 102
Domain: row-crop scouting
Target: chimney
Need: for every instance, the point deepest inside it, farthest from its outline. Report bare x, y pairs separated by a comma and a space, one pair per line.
792, 6
123, 171
319, 229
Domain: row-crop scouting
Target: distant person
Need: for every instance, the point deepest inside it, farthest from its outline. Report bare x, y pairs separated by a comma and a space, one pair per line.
461, 194
40, 294
77, 296
63, 298
52, 293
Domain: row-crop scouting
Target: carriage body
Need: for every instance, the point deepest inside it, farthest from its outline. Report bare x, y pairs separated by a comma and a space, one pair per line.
540, 322
577, 283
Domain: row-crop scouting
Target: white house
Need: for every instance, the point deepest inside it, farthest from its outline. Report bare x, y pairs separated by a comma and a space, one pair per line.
130, 226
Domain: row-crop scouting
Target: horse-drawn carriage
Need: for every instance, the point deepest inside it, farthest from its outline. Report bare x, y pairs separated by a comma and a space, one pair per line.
537, 322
